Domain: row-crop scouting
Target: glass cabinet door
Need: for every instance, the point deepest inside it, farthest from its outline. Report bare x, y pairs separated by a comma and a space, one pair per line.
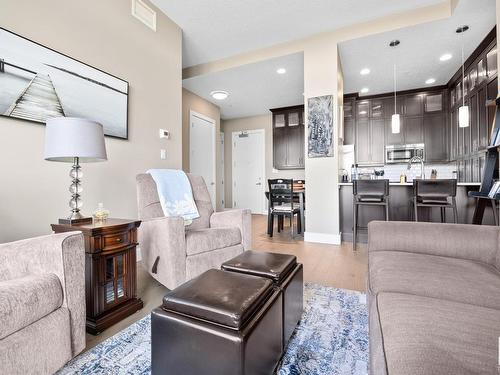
114, 279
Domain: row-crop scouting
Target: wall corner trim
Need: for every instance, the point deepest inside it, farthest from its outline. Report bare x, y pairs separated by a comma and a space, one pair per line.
327, 238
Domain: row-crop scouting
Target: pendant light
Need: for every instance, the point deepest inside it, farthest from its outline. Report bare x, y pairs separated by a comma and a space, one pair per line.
395, 120
463, 111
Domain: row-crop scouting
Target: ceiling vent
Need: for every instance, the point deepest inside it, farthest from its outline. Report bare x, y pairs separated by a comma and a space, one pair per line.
144, 13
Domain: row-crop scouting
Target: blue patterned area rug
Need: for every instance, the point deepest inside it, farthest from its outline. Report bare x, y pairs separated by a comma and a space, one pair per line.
332, 338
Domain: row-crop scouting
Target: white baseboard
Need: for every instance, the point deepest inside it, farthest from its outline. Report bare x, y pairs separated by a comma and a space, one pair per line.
332, 239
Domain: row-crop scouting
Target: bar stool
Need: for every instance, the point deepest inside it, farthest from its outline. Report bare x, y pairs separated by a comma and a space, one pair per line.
368, 193
435, 193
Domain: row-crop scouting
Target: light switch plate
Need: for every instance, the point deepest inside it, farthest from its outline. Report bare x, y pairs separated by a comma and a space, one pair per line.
163, 154
164, 134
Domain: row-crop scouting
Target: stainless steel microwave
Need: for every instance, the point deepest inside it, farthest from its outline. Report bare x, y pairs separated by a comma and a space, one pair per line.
403, 153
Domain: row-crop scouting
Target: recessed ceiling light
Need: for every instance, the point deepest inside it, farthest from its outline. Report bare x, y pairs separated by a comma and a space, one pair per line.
430, 81
364, 90
281, 71
446, 57
364, 71
219, 94
362, 112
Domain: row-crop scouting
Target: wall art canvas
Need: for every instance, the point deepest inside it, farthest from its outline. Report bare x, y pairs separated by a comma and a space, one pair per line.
320, 125
37, 83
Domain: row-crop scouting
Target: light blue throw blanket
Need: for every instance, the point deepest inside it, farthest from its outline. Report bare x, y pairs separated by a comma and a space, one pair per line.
176, 195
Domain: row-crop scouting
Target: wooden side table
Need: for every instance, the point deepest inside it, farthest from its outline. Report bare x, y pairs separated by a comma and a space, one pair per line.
110, 270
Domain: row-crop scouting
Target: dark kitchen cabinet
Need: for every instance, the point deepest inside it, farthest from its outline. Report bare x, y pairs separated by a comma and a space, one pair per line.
288, 137
362, 145
370, 135
483, 128
474, 123
413, 105
349, 132
433, 103
377, 141
413, 130
435, 138
453, 135
349, 121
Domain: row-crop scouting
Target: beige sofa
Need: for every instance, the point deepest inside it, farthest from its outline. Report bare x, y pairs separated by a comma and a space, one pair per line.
42, 303
172, 253
434, 298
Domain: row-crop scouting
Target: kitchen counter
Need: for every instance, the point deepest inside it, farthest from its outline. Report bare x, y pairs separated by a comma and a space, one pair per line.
411, 184
401, 207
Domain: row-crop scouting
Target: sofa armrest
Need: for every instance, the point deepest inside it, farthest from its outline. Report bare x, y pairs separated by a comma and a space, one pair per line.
241, 218
162, 242
61, 254
464, 241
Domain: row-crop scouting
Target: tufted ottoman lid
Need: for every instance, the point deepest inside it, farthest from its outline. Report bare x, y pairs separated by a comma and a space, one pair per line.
224, 298
269, 265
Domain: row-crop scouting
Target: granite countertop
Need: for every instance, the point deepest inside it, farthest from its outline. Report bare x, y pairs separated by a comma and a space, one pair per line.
395, 183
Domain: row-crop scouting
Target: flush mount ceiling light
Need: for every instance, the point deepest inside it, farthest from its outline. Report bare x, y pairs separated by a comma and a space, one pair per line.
430, 81
445, 57
364, 71
219, 94
364, 90
463, 111
281, 71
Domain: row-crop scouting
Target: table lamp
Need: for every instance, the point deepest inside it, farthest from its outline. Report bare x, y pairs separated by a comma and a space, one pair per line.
74, 140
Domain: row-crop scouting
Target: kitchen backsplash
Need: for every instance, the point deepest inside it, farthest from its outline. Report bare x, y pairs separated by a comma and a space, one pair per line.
393, 171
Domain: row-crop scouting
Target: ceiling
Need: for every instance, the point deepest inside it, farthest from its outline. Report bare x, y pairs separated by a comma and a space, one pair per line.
221, 28
254, 88
417, 57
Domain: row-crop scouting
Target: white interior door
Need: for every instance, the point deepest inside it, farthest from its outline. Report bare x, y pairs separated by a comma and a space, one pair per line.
223, 192
202, 149
249, 170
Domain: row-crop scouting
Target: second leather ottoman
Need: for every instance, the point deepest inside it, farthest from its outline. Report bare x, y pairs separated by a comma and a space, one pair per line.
219, 323
285, 273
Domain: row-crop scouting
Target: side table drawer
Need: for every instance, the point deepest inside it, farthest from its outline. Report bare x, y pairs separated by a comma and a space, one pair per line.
112, 241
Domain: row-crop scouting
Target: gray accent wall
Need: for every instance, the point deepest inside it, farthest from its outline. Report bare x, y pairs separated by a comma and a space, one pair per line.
104, 34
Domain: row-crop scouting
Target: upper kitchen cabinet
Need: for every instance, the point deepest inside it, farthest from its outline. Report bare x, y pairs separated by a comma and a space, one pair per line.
349, 121
413, 105
435, 137
288, 137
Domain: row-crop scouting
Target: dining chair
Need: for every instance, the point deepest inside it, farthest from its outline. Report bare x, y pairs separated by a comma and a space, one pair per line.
368, 193
282, 204
435, 193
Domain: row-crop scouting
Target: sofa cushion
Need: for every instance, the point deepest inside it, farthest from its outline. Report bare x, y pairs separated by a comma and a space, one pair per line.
26, 299
435, 276
424, 335
202, 240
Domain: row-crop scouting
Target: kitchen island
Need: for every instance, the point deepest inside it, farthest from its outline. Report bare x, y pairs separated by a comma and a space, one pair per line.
400, 208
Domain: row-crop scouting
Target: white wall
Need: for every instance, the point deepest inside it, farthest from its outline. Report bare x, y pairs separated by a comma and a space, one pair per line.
33, 192
251, 123
321, 77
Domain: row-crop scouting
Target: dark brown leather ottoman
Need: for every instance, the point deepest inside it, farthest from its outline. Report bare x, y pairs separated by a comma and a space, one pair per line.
218, 323
285, 273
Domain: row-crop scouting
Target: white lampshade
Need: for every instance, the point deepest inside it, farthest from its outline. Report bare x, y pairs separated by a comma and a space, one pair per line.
463, 116
395, 124
67, 138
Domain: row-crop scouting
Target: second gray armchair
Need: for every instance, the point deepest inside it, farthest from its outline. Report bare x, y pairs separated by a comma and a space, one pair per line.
172, 253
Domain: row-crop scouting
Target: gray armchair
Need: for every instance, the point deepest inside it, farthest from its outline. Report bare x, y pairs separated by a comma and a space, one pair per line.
172, 253
42, 303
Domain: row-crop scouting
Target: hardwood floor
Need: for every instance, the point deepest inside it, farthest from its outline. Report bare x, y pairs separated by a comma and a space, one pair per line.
332, 265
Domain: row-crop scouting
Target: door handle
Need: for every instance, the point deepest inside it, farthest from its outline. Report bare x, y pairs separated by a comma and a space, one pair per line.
258, 183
